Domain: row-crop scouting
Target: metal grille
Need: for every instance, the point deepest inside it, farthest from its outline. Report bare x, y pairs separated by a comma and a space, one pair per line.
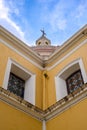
74, 81
16, 85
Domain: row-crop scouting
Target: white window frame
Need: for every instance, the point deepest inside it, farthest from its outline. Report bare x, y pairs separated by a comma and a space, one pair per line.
30, 83
60, 83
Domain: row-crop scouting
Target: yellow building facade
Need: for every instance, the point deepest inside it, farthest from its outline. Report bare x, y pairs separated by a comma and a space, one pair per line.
43, 87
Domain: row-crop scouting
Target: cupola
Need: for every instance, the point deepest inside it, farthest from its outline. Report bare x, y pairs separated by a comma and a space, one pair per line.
43, 41
43, 46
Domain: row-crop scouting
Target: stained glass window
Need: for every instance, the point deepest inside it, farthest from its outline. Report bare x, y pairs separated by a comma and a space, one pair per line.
16, 85
74, 81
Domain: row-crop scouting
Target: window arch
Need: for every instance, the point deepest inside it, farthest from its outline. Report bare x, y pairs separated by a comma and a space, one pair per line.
64, 74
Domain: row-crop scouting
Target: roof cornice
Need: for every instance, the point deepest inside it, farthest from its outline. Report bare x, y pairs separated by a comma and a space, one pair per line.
20, 44
66, 45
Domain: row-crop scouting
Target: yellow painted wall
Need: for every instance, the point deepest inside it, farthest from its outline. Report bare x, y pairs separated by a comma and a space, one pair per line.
13, 119
6, 53
50, 88
45, 94
75, 118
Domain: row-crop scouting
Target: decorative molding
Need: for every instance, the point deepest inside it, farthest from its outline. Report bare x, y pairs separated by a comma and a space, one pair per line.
18, 43
67, 55
51, 112
72, 40
67, 102
20, 104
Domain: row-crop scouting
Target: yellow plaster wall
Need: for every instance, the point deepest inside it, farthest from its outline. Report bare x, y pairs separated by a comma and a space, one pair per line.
13, 119
47, 90
6, 53
50, 88
75, 118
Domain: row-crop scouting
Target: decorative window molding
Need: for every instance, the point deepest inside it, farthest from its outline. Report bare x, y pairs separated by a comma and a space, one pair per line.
18, 70
60, 79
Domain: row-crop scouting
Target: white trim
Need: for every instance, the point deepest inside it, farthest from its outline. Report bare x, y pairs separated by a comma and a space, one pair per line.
83, 71
20, 66
7, 73
29, 94
21, 54
61, 90
69, 65
71, 52
44, 125
60, 84
79, 60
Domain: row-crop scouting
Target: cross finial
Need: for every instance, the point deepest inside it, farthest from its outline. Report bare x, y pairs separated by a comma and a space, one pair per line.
43, 32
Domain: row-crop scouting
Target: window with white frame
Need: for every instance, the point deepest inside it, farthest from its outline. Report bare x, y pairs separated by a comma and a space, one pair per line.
66, 81
20, 81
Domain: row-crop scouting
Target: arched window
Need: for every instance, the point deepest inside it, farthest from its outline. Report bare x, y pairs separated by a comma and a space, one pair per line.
70, 78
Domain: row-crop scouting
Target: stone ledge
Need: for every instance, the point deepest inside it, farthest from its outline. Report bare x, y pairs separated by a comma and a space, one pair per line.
37, 113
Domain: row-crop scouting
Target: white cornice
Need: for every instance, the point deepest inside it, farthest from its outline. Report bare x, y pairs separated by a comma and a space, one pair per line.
19, 44
67, 55
66, 45
72, 39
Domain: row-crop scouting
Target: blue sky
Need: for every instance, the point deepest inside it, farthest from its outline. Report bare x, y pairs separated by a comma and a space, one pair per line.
59, 18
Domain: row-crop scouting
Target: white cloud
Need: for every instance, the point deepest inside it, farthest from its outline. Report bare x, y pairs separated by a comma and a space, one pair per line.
56, 17
12, 5
5, 13
63, 15
57, 22
79, 14
81, 10
14, 25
